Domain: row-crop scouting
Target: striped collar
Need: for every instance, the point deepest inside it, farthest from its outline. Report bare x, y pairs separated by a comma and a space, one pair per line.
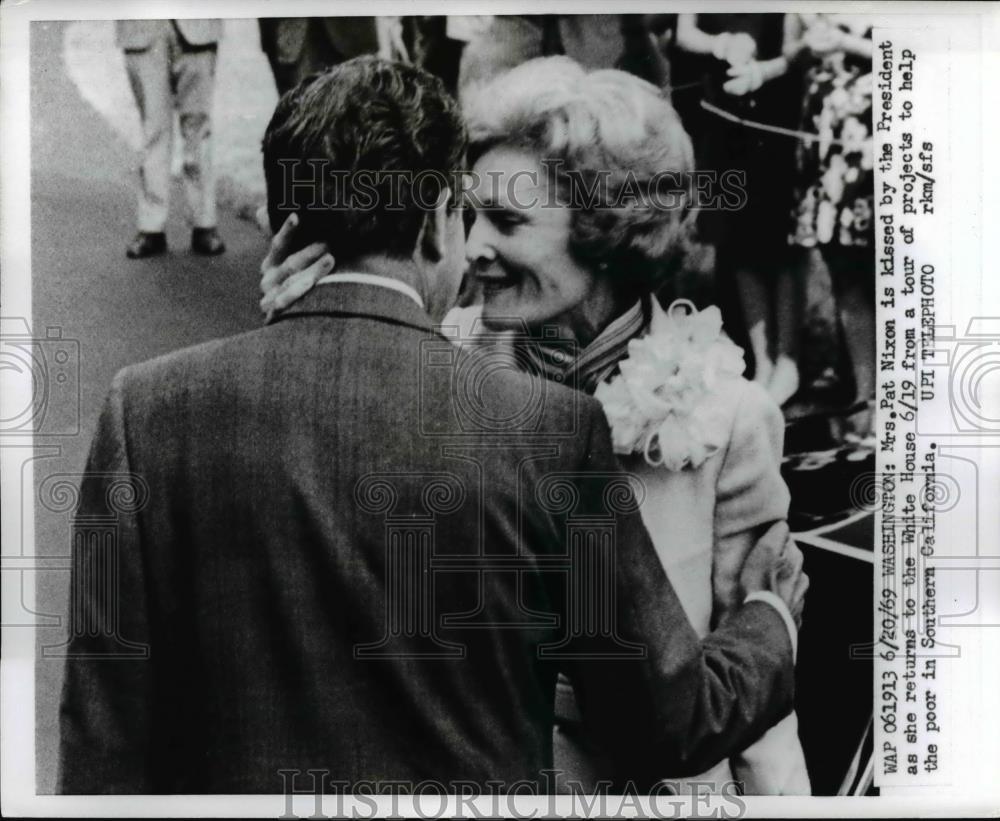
586, 369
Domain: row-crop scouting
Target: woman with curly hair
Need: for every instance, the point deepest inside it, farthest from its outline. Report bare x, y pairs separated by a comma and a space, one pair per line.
579, 221
579, 200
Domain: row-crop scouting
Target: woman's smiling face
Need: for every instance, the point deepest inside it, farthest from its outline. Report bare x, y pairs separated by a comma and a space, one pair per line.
518, 247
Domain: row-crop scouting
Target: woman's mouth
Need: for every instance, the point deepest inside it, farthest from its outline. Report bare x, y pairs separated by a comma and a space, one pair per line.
496, 281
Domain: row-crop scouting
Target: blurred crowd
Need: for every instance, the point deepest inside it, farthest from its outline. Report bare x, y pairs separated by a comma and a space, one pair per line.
785, 99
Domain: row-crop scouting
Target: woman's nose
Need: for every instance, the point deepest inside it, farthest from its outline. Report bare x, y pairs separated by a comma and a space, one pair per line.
478, 245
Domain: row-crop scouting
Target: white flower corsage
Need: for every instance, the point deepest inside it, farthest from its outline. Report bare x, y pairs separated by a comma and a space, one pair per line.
661, 403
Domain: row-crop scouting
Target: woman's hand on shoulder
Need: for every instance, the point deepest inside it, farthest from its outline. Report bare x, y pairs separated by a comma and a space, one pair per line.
286, 276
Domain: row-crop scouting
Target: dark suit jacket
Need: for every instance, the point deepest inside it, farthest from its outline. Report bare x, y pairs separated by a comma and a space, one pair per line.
346, 552
595, 41
283, 38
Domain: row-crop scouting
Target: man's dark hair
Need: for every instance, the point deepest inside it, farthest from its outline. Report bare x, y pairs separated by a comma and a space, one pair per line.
379, 139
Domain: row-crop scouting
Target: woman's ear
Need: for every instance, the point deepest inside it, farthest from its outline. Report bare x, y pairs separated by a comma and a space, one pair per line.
432, 242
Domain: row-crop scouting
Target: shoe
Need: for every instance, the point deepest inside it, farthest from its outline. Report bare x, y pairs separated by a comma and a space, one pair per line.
147, 244
207, 242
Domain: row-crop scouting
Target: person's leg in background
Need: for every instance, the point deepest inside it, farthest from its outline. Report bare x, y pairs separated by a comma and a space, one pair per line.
317, 54
149, 76
852, 273
725, 293
194, 80
284, 75
755, 302
279, 38
433, 50
769, 288
789, 277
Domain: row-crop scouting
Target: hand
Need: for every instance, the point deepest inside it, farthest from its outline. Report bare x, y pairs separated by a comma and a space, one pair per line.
745, 79
286, 277
775, 564
736, 48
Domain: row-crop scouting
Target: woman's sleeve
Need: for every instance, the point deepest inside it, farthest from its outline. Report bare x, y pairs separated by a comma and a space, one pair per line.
750, 492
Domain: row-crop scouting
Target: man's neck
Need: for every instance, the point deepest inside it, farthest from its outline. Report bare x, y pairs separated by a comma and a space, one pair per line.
404, 274
403, 270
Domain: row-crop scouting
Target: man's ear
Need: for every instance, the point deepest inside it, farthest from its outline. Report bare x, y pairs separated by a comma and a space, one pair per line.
432, 242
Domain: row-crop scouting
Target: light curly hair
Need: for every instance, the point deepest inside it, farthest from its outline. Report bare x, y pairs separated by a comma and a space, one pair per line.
619, 154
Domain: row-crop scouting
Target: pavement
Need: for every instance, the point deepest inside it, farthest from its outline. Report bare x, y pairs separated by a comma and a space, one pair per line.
119, 311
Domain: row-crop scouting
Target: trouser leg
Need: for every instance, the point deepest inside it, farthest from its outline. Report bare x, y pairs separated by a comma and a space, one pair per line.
194, 72
318, 53
149, 76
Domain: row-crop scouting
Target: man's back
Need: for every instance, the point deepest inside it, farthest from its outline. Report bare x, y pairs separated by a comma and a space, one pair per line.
321, 507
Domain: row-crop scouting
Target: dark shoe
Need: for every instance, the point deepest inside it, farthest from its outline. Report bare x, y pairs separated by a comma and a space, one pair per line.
206, 241
146, 245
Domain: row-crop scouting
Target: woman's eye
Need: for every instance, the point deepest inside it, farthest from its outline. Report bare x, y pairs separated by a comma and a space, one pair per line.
505, 221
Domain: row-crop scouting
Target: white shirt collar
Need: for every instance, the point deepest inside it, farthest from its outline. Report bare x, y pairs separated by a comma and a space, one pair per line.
374, 279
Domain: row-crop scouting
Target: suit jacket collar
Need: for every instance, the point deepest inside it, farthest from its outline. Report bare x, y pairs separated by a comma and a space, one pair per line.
344, 299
